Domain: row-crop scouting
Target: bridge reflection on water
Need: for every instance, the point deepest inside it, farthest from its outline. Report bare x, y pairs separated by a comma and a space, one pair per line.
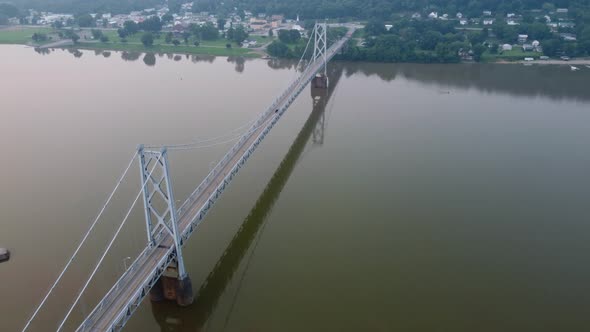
193, 318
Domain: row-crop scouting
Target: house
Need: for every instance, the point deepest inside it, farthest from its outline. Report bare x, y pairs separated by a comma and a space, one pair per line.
459, 15
416, 16
562, 11
527, 48
488, 21
512, 22
297, 27
522, 38
506, 47
547, 19
279, 18
510, 15
463, 21
388, 27
570, 25
445, 17
487, 13
568, 36
433, 15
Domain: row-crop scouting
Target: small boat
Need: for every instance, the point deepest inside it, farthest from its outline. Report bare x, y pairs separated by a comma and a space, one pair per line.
588, 67
573, 68
4, 255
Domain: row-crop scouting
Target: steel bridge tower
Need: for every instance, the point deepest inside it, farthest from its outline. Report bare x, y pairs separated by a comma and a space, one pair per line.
161, 216
320, 52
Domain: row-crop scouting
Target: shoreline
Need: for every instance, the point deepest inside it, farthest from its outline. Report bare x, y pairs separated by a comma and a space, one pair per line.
190, 50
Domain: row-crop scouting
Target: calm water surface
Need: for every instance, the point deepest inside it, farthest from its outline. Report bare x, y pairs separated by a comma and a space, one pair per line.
407, 198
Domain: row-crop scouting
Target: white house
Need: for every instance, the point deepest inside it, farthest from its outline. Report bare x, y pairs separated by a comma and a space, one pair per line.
522, 38
459, 15
416, 16
487, 13
562, 10
463, 21
488, 21
506, 47
433, 15
510, 15
388, 27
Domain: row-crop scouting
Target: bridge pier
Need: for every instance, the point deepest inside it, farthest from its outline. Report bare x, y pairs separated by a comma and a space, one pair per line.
172, 287
320, 81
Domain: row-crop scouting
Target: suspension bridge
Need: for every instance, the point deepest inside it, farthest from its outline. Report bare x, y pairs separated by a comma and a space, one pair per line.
159, 270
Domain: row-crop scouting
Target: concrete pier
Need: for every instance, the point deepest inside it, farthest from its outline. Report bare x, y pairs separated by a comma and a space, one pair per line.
170, 287
319, 82
4, 255
184, 292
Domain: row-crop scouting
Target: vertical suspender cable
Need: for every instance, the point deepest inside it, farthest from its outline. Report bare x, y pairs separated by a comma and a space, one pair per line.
80, 245
107, 249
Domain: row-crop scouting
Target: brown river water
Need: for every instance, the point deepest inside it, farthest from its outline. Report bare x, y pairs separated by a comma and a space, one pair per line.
406, 198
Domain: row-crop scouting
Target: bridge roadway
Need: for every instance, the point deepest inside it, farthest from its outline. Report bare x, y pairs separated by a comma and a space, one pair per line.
126, 295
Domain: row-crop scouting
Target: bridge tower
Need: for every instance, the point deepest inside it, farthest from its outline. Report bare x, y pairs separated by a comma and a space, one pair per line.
320, 52
161, 216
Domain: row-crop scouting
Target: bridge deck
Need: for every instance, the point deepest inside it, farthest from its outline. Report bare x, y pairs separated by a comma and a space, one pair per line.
116, 307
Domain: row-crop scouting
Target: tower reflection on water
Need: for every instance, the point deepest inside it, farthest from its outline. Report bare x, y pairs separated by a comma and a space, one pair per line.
171, 318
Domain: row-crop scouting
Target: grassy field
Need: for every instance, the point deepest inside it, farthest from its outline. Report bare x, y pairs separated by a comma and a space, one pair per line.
22, 35
17, 35
517, 54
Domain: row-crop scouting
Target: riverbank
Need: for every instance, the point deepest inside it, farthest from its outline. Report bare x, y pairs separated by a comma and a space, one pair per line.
22, 35
181, 49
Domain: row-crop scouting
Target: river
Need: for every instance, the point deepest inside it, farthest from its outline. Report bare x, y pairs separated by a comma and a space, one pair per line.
406, 198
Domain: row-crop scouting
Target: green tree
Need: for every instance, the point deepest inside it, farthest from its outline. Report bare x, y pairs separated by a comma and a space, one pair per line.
289, 36
147, 39
39, 37
295, 35
104, 39
130, 27
478, 51
169, 37
240, 35
167, 18
85, 20
270, 33
152, 24
375, 28
57, 24
122, 33
176, 42
186, 36
551, 47
209, 32
221, 23
430, 39
96, 34
278, 49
